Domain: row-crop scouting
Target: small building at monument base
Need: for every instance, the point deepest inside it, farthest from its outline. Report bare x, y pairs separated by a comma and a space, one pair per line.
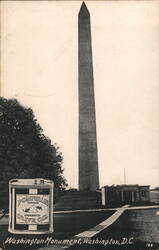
125, 194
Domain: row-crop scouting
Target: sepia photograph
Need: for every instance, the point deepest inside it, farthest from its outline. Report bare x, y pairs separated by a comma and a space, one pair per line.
79, 124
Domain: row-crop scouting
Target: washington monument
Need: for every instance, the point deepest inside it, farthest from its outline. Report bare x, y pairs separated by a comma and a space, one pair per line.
88, 157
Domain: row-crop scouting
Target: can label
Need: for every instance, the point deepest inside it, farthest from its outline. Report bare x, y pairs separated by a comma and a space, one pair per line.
32, 209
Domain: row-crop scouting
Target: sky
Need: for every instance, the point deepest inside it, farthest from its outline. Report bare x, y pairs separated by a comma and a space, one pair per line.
39, 67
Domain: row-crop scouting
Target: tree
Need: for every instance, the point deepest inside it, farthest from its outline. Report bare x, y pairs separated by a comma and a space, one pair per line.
25, 152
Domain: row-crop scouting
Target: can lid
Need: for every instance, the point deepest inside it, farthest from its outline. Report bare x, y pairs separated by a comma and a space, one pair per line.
35, 181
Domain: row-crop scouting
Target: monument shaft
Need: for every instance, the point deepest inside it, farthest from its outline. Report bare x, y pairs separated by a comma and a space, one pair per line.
88, 158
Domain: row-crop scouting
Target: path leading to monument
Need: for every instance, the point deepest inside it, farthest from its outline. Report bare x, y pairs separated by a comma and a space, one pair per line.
89, 233
103, 225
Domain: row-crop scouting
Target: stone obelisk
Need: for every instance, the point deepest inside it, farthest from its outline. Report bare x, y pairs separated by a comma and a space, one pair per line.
88, 157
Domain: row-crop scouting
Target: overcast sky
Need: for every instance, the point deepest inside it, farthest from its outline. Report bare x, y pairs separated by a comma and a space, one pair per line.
40, 68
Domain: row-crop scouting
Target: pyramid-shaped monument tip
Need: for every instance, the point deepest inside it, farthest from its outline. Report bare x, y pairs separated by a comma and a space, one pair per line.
83, 5
84, 9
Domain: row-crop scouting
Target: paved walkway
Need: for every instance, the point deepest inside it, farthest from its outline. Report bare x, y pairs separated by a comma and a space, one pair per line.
4, 219
104, 209
84, 211
143, 207
103, 225
96, 210
91, 232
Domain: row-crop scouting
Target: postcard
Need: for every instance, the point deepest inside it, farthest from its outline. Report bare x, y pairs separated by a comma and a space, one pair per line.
79, 125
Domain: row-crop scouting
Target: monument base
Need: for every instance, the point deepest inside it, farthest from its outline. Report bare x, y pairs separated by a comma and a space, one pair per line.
79, 200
